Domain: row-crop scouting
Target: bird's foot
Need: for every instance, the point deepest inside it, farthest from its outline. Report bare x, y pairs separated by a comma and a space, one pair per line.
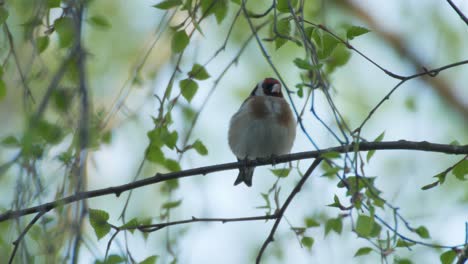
273, 158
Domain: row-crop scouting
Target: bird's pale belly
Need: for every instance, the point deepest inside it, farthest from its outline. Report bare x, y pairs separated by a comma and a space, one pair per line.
261, 139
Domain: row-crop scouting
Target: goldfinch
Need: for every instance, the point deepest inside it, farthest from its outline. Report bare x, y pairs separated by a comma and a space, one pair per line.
263, 127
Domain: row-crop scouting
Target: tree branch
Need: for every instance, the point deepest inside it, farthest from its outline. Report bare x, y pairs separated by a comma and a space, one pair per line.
291, 196
441, 86
17, 242
459, 12
159, 177
156, 227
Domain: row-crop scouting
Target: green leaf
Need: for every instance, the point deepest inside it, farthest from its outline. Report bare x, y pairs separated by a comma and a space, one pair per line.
422, 232
100, 22
402, 261
98, 220
150, 260
380, 137
188, 88
161, 136
106, 137
51, 133
2, 89
330, 155
441, 177
305, 65
366, 227
167, 4
336, 202
370, 153
339, 57
180, 40
220, 10
130, 225
403, 243
281, 173
310, 222
112, 259
42, 43
355, 31
217, 7
198, 72
329, 169
3, 15
62, 99
267, 201
145, 221
65, 30
172, 165
283, 28
11, 142
170, 205
307, 242
430, 185
53, 3
448, 257
299, 230
328, 45
461, 170
363, 251
154, 154
170, 185
170, 139
283, 6
200, 148
300, 92
65, 157
334, 224
358, 183
410, 103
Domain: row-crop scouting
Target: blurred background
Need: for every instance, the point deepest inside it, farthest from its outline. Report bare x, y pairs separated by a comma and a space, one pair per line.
133, 73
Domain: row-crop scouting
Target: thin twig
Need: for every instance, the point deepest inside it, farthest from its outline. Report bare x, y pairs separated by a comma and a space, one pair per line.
15, 57
459, 12
156, 227
291, 196
431, 73
17, 242
399, 45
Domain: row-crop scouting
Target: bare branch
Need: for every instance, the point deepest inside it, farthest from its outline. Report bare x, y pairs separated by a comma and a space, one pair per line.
431, 73
291, 196
441, 86
459, 12
27, 90
17, 242
156, 227
117, 190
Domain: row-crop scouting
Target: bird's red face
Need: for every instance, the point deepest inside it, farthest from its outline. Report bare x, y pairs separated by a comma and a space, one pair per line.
268, 87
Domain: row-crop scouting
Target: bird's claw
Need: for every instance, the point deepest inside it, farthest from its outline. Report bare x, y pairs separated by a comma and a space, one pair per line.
273, 158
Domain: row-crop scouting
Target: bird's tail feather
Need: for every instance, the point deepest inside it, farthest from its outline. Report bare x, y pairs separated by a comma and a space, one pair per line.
245, 175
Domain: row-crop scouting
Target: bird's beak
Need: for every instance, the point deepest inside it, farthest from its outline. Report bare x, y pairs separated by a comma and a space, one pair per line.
276, 88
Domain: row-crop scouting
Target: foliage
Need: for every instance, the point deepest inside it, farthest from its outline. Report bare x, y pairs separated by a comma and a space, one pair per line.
77, 76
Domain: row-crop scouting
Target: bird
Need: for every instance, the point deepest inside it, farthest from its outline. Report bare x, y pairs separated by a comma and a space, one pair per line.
263, 127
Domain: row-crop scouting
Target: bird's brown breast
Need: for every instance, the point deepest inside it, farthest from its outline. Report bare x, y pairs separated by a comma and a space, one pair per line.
262, 106
285, 117
258, 107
